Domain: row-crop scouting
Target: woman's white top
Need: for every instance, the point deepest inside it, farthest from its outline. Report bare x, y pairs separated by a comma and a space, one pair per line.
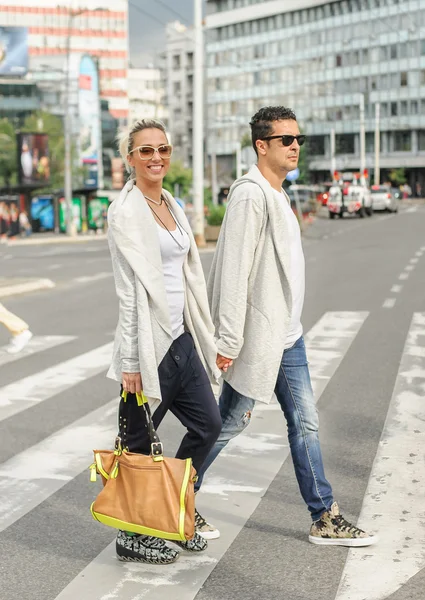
297, 273
173, 258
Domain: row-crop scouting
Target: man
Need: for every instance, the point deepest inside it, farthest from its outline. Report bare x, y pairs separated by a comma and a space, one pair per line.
256, 293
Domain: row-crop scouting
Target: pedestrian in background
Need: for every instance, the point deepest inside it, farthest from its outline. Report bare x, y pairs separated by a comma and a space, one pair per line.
24, 224
18, 329
256, 292
164, 344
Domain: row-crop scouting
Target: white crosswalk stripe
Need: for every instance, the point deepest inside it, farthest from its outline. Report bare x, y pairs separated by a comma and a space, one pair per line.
38, 343
395, 497
31, 390
33, 475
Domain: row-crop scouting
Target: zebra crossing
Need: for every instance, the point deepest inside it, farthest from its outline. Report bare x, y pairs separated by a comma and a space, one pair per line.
243, 472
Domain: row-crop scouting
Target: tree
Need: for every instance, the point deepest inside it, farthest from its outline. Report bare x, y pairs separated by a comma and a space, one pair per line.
303, 166
178, 175
8, 153
45, 122
246, 140
397, 177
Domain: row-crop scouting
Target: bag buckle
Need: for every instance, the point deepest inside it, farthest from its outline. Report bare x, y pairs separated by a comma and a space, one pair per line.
157, 451
118, 445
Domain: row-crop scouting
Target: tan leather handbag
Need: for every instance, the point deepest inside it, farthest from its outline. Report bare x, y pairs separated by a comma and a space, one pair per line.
150, 495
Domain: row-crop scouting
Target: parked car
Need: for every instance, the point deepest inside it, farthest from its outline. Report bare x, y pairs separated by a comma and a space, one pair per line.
349, 198
322, 196
385, 198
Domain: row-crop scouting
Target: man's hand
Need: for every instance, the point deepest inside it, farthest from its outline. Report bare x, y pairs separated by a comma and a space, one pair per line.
132, 382
223, 363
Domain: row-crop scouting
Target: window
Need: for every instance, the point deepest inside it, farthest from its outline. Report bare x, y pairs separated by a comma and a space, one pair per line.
316, 145
176, 61
344, 143
393, 51
402, 141
403, 108
423, 77
403, 78
176, 88
338, 60
414, 107
421, 139
394, 111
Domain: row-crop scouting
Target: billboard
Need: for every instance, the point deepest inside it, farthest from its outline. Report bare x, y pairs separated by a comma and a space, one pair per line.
89, 120
13, 50
33, 158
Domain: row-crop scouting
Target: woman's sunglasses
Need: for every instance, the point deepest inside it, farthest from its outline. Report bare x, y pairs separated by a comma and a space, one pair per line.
148, 152
287, 140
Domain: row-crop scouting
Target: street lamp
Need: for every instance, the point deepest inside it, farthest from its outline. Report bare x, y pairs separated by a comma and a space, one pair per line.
70, 225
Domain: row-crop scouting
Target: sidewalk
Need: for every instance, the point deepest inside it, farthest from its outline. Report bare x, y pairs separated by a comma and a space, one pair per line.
11, 286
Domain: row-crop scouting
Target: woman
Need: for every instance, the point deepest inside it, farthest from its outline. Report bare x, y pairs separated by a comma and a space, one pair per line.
164, 342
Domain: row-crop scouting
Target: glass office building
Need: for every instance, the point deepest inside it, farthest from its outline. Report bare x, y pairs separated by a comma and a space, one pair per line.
318, 58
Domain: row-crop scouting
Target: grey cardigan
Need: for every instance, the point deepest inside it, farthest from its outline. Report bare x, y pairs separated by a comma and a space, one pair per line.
248, 286
143, 334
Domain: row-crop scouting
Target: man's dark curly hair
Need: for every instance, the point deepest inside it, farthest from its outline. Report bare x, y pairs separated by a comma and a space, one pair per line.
262, 122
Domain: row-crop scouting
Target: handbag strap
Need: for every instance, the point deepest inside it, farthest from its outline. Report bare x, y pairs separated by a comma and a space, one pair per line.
157, 449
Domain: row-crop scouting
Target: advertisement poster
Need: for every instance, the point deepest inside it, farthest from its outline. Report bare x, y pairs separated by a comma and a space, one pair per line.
97, 212
13, 50
33, 158
42, 213
76, 213
89, 111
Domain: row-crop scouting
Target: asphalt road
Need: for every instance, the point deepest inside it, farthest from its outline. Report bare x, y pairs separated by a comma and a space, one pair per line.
365, 288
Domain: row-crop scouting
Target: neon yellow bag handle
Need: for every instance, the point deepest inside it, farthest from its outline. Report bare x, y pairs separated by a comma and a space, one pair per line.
140, 397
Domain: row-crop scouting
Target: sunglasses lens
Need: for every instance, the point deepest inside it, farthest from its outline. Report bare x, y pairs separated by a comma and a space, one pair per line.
301, 140
165, 151
146, 152
287, 140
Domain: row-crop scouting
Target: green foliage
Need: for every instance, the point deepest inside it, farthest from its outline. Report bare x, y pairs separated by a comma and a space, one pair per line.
177, 174
398, 176
246, 141
45, 122
8, 153
207, 196
303, 165
216, 215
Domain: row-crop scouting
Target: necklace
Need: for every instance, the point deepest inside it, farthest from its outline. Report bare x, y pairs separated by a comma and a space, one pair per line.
154, 201
164, 225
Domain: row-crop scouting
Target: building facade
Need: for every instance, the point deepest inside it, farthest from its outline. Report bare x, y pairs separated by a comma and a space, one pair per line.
178, 78
318, 58
146, 94
98, 28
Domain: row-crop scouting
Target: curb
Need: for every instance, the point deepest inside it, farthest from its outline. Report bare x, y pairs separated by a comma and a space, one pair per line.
23, 288
58, 240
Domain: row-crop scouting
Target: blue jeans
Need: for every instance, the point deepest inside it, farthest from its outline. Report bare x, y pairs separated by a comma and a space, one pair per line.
295, 396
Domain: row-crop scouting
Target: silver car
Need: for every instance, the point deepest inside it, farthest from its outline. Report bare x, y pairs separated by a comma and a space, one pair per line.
384, 198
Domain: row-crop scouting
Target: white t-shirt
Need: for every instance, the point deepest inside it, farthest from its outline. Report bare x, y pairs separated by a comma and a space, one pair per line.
172, 262
297, 275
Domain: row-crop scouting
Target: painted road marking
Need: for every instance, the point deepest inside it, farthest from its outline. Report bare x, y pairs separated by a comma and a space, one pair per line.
396, 289
394, 502
232, 491
403, 276
91, 278
30, 477
38, 343
31, 390
389, 303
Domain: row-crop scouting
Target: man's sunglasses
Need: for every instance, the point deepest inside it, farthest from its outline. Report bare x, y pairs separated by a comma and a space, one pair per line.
287, 140
148, 152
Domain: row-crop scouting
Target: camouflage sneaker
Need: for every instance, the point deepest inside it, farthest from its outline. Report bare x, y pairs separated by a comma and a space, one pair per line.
144, 548
333, 529
208, 531
195, 544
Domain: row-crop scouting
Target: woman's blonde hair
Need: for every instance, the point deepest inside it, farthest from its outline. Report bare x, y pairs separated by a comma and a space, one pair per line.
126, 139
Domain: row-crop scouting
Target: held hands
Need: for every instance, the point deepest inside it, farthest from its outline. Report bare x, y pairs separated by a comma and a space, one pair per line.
223, 363
132, 382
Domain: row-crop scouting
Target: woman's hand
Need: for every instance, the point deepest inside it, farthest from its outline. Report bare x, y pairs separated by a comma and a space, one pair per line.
132, 382
223, 363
